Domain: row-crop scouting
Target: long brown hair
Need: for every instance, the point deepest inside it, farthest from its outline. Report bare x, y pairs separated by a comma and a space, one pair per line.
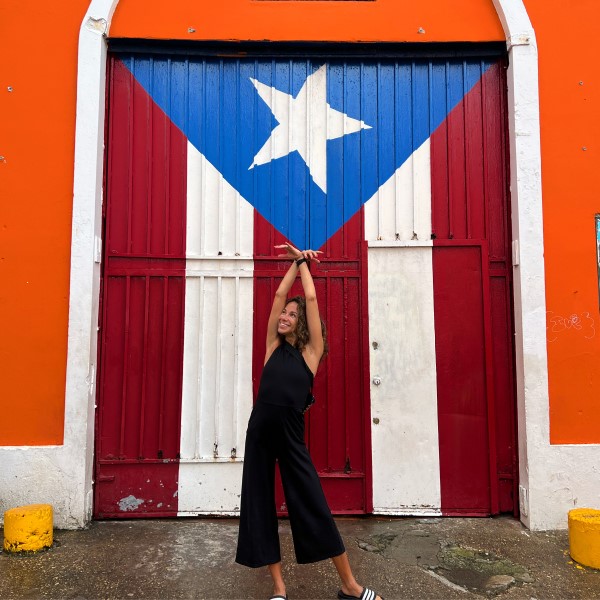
302, 335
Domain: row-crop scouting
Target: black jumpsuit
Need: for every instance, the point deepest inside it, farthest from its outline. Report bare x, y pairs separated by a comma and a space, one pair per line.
276, 432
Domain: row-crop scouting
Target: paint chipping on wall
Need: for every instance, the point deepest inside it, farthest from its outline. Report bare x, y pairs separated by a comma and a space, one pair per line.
130, 503
97, 25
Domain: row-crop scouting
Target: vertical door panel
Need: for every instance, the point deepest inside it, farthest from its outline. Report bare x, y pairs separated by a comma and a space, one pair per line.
139, 398
460, 342
501, 325
473, 314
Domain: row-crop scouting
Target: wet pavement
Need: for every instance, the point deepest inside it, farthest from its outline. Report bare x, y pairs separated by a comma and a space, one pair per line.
400, 558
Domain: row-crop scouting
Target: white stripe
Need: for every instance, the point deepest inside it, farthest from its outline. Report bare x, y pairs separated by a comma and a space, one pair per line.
402, 349
400, 210
217, 359
404, 424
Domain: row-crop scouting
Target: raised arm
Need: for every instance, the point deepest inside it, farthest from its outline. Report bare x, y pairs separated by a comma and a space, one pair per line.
313, 351
278, 303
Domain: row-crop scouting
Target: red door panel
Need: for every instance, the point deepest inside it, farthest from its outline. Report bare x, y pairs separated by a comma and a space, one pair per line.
143, 294
460, 343
472, 301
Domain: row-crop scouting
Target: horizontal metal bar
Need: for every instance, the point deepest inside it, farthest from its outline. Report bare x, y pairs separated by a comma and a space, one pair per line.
350, 273
211, 459
133, 515
341, 475
205, 257
224, 273
322, 260
148, 257
400, 244
137, 461
141, 272
322, 50
459, 243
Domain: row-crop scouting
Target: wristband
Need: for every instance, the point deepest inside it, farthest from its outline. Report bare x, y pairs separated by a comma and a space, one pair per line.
300, 261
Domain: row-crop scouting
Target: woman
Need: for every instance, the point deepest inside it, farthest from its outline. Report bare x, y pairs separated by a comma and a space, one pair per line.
295, 346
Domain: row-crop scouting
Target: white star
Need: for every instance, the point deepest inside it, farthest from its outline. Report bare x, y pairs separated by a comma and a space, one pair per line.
306, 122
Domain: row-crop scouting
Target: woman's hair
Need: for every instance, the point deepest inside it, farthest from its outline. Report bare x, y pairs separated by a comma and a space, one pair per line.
302, 335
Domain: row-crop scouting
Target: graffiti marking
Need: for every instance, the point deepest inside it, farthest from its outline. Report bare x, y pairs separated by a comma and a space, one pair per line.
580, 323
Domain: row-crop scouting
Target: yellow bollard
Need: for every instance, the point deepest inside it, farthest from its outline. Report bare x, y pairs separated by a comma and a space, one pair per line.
584, 536
28, 528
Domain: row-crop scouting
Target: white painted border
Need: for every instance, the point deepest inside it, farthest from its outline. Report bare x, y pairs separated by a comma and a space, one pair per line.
537, 458
86, 251
527, 229
410, 512
404, 405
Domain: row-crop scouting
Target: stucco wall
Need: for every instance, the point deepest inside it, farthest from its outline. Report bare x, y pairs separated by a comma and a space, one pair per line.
570, 136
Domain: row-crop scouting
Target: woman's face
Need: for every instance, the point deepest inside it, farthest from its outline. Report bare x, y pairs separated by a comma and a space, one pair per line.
288, 319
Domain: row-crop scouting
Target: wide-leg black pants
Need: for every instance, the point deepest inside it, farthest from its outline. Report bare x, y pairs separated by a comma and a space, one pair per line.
277, 433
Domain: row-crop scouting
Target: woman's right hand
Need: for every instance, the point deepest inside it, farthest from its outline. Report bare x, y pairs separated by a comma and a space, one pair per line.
311, 255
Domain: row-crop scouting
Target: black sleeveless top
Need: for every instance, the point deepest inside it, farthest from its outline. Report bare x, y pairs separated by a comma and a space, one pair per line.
286, 378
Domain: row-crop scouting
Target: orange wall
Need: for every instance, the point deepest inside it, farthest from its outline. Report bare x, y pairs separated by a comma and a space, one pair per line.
568, 40
38, 45
382, 20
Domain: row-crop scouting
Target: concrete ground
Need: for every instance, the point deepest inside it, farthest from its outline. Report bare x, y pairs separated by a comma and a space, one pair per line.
400, 558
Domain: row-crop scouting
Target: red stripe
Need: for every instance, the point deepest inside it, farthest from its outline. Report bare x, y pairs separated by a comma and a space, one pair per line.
141, 354
473, 321
460, 363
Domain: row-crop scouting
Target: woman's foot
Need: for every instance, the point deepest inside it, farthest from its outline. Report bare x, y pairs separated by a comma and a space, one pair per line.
356, 591
350, 588
279, 592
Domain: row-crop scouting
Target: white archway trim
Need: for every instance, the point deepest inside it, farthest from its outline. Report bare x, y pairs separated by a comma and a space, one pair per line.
515, 22
527, 234
86, 248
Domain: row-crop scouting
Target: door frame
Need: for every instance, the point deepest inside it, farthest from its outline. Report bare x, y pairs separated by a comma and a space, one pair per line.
86, 243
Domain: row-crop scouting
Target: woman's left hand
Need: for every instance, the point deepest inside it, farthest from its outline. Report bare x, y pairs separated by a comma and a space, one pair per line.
312, 255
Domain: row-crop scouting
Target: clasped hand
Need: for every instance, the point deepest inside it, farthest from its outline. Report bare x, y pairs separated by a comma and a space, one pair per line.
294, 254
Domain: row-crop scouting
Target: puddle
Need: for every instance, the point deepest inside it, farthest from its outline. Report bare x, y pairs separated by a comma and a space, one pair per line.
458, 567
478, 571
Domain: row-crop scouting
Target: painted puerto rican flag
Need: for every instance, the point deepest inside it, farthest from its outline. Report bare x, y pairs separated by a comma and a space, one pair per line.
305, 145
